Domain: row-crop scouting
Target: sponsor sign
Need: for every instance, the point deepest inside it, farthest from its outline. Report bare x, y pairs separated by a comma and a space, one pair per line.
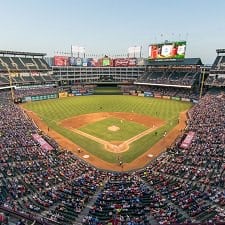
176, 98
120, 62
61, 61
44, 145
188, 139
78, 62
72, 61
63, 94
185, 99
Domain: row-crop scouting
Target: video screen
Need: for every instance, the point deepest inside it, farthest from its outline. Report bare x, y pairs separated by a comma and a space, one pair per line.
170, 50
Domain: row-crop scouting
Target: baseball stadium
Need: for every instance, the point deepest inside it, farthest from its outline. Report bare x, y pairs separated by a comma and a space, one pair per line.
112, 140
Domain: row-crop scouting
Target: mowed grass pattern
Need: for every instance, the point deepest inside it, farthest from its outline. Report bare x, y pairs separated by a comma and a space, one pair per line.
127, 129
53, 111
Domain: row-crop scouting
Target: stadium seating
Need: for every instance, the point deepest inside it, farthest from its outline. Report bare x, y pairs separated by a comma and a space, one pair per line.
34, 91
4, 80
180, 78
161, 91
216, 76
23, 64
180, 186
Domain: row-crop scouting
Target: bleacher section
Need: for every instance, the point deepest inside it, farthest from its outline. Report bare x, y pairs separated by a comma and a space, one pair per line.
184, 73
169, 78
24, 68
27, 79
216, 76
21, 64
216, 80
152, 90
4, 80
184, 185
35, 91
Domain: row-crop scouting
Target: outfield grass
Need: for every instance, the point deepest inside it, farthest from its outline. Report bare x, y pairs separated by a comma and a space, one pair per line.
53, 111
127, 130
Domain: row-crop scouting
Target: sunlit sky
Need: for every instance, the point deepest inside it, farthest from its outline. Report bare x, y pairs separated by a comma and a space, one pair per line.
112, 26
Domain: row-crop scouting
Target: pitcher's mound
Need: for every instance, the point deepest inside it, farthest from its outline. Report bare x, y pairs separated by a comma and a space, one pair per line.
113, 128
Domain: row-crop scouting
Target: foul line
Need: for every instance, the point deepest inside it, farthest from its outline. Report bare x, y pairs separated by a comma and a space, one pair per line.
124, 146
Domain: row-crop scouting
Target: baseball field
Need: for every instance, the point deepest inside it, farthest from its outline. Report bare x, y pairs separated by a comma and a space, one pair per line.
109, 129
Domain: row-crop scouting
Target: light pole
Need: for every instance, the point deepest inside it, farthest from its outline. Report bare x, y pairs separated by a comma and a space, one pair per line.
202, 82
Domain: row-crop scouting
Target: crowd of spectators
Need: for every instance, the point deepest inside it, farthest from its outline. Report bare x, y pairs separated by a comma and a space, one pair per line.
193, 179
162, 91
182, 78
56, 187
34, 91
215, 80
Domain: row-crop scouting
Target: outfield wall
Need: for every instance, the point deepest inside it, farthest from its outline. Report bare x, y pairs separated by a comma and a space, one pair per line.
78, 93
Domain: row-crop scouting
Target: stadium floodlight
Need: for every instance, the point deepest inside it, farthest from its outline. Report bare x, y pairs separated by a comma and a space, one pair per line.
134, 52
77, 50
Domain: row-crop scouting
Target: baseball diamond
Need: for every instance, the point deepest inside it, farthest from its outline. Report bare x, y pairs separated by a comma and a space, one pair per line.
142, 124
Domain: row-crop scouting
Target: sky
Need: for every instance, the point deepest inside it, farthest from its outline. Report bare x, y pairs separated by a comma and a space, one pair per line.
112, 26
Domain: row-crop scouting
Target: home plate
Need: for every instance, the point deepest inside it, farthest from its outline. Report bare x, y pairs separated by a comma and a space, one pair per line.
86, 156
150, 155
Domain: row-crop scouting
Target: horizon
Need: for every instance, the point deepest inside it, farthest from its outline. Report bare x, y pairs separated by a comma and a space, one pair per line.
111, 27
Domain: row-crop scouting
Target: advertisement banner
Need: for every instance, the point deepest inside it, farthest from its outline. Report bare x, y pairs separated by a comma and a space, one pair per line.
132, 62
85, 62
44, 145
35, 98
195, 101
63, 94
52, 96
141, 62
78, 62
148, 94
166, 97
27, 99
120, 62
41, 97
72, 61
89, 62
93, 62
185, 99
169, 50
61, 61
105, 62
188, 139
175, 98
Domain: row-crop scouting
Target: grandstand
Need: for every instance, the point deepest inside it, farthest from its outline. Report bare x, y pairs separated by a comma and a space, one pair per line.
172, 73
22, 61
184, 185
24, 68
97, 75
216, 77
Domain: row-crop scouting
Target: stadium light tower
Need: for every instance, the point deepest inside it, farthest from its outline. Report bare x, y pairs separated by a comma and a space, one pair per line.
10, 82
202, 81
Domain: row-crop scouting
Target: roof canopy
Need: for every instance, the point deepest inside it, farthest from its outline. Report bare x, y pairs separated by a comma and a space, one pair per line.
2, 52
